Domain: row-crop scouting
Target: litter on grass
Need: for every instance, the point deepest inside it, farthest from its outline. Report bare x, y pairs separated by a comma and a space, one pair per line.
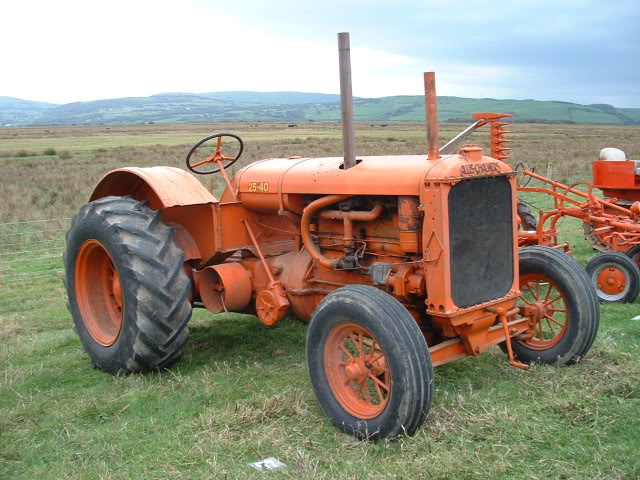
270, 464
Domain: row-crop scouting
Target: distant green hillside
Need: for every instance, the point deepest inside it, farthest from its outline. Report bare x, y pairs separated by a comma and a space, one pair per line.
295, 107
277, 98
456, 108
15, 111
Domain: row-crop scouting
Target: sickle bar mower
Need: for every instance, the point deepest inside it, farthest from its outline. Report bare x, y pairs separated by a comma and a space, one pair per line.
380, 254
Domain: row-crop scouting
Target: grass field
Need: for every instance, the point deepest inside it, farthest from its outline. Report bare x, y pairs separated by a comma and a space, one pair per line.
241, 392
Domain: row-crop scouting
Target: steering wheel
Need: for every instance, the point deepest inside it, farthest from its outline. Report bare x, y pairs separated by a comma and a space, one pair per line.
216, 157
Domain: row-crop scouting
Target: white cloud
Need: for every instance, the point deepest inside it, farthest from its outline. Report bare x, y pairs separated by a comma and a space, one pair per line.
76, 50
73, 50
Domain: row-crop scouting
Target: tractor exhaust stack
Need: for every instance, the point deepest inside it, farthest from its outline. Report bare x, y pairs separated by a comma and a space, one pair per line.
346, 102
431, 107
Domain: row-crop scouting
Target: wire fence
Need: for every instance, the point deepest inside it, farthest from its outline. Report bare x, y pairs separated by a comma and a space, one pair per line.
31, 251
30, 258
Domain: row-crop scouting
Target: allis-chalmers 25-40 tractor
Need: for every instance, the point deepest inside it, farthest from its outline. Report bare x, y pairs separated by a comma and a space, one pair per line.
399, 263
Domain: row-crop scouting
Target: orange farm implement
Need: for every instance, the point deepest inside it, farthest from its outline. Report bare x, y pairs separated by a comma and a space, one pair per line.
398, 263
611, 225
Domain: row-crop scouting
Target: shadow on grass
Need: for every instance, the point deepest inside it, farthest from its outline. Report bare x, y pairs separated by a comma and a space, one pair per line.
243, 338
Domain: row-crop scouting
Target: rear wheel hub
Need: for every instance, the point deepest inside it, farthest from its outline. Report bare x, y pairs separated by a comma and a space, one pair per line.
98, 292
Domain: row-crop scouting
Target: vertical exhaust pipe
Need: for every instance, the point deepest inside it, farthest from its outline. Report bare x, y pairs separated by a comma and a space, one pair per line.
346, 102
431, 107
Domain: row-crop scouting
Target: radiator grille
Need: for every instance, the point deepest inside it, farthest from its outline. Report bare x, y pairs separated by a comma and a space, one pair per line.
481, 236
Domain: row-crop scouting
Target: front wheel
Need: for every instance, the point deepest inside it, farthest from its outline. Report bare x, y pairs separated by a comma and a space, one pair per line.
615, 276
128, 294
369, 363
559, 298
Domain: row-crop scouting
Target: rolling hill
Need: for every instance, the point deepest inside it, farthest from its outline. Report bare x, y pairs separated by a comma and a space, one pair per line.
294, 107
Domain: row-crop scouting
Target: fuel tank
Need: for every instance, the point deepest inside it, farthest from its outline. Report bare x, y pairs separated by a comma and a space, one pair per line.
266, 185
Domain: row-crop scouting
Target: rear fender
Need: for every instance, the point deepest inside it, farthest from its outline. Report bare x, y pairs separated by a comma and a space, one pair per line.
162, 187
181, 198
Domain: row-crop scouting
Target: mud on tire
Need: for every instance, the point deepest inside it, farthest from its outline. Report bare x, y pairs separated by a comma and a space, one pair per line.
128, 294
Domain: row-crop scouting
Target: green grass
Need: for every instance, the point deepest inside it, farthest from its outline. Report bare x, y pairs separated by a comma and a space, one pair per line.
241, 393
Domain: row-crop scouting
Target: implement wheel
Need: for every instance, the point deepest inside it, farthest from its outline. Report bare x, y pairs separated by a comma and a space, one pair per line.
634, 254
615, 276
369, 363
563, 304
128, 294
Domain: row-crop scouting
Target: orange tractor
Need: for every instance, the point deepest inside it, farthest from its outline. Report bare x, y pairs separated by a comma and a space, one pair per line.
399, 263
611, 225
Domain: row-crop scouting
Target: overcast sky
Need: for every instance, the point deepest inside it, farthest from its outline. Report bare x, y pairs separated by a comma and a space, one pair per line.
75, 50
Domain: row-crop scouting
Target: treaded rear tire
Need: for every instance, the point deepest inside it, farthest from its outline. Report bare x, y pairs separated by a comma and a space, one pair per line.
155, 290
405, 352
625, 266
581, 302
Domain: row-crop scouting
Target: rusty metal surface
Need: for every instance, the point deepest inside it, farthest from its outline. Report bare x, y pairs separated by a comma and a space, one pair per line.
346, 101
168, 186
431, 109
224, 288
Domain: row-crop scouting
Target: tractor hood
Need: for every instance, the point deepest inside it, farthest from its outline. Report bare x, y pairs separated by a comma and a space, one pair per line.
379, 175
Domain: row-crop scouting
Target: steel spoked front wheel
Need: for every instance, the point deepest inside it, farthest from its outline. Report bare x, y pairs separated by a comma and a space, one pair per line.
543, 298
369, 363
357, 371
561, 304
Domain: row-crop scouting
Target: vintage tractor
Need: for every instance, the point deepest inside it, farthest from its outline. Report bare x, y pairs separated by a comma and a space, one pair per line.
400, 263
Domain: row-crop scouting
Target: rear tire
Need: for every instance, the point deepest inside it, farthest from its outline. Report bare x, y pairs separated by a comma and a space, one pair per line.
128, 294
615, 276
383, 386
528, 221
561, 287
